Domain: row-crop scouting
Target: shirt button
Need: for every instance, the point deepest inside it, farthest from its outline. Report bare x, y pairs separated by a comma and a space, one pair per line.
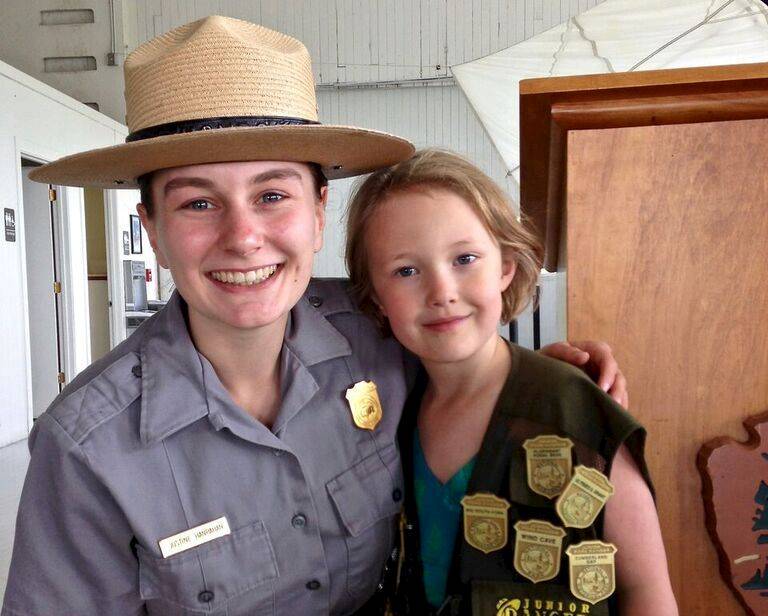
316, 301
206, 596
136, 370
299, 521
397, 495
313, 585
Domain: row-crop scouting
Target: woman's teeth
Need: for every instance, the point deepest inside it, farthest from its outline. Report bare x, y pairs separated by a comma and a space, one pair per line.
245, 278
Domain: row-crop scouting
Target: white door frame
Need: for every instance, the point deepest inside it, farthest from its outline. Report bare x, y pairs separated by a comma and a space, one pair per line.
115, 288
69, 230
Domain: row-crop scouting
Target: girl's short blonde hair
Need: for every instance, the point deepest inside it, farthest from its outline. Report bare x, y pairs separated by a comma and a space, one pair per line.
433, 168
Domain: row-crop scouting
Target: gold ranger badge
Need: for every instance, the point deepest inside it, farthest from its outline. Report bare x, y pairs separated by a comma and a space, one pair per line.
584, 497
364, 404
548, 462
592, 571
485, 521
538, 546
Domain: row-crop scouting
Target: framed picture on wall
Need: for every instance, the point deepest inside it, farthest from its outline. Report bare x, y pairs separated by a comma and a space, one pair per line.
126, 243
135, 234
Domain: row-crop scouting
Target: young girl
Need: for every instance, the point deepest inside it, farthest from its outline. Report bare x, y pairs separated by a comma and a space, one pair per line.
436, 253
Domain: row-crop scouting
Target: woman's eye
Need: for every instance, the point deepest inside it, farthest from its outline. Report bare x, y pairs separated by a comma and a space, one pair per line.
405, 272
199, 204
271, 197
465, 259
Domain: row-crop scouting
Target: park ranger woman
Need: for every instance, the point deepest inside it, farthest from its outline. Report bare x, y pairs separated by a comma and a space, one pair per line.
213, 463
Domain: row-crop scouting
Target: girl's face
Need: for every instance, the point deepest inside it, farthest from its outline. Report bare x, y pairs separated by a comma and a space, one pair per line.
239, 238
437, 274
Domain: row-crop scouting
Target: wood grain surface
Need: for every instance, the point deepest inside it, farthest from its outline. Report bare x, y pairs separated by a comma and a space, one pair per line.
667, 246
551, 107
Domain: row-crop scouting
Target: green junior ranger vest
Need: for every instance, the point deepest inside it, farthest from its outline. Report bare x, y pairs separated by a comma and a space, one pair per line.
540, 397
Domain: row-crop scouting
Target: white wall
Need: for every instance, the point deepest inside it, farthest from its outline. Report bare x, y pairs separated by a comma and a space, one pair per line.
25, 43
39, 123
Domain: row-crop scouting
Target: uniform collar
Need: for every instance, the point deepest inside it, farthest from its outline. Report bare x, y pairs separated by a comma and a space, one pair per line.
174, 375
172, 391
309, 334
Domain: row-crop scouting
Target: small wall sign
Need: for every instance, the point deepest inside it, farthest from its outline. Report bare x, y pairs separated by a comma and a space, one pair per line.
126, 243
10, 224
135, 234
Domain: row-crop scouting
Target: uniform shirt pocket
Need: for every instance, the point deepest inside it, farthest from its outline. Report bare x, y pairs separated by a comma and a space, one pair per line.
204, 580
367, 498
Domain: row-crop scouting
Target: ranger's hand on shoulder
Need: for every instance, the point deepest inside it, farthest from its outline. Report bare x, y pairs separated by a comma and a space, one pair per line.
597, 360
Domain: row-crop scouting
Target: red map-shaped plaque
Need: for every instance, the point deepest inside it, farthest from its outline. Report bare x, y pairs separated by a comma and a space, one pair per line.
735, 477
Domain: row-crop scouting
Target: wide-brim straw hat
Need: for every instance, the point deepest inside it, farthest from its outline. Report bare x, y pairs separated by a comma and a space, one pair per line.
223, 90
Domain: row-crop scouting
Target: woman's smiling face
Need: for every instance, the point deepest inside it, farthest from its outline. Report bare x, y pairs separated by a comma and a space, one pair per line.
239, 238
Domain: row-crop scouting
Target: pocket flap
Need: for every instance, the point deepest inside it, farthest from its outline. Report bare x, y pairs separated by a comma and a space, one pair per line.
366, 493
230, 565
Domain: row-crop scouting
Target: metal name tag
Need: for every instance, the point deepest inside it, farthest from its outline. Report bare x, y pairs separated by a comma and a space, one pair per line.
194, 537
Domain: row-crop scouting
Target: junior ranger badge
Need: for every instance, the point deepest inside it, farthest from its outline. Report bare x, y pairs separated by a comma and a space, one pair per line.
538, 546
592, 571
485, 521
548, 464
584, 497
365, 405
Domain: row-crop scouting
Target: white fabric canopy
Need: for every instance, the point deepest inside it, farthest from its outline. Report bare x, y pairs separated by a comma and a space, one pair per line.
611, 37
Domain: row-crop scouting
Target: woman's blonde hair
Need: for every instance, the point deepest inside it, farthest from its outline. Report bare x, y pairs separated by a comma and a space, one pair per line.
433, 168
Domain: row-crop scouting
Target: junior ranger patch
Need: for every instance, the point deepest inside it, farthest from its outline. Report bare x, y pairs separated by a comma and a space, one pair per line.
548, 464
485, 521
538, 546
365, 405
591, 570
584, 497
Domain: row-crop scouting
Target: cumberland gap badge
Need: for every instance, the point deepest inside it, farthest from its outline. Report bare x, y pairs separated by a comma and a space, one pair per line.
548, 464
538, 547
584, 497
365, 405
485, 521
591, 570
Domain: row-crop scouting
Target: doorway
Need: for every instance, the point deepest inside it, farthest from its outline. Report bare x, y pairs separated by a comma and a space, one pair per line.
43, 290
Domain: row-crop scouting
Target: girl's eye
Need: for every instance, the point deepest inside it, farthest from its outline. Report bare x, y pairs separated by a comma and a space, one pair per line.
405, 272
199, 204
465, 259
271, 197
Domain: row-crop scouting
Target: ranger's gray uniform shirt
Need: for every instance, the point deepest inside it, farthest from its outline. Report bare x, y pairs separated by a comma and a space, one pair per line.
147, 443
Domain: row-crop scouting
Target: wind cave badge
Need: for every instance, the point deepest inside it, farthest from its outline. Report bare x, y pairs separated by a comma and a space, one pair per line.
548, 464
584, 497
365, 405
538, 547
591, 570
485, 521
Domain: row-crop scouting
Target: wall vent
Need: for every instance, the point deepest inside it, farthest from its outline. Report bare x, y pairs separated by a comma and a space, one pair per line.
70, 64
66, 17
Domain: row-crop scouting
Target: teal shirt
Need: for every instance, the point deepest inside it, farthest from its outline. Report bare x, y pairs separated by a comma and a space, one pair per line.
439, 507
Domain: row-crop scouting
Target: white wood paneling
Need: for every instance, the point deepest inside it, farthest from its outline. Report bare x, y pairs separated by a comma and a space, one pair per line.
354, 41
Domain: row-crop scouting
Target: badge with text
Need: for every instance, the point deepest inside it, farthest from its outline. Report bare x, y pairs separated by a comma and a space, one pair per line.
365, 406
584, 497
538, 546
194, 537
591, 570
548, 464
485, 521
